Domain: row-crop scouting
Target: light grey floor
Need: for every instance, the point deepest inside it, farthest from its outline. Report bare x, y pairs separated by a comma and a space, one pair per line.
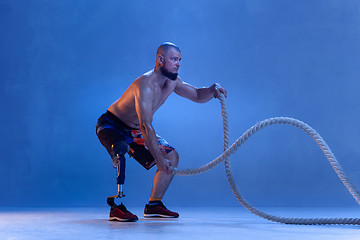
194, 223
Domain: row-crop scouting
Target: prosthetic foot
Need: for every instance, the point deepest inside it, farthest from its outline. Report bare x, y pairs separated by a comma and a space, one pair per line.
119, 212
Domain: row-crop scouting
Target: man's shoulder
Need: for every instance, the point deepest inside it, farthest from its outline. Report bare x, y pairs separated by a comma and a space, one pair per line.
143, 81
148, 79
178, 81
143, 84
147, 75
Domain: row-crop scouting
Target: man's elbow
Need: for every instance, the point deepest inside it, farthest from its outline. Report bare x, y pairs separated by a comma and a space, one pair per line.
201, 100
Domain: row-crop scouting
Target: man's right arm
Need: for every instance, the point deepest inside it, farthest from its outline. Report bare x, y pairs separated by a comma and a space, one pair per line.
143, 106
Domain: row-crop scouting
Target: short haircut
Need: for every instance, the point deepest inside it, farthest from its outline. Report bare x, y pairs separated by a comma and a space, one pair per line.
164, 47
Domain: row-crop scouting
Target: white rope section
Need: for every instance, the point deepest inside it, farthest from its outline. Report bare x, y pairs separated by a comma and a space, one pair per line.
271, 121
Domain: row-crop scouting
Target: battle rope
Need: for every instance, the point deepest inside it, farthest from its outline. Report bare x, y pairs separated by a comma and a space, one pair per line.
271, 121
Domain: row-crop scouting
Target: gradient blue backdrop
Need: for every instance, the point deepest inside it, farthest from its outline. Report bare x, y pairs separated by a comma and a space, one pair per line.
64, 62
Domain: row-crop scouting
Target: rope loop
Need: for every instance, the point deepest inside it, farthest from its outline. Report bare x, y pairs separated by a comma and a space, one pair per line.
224, 157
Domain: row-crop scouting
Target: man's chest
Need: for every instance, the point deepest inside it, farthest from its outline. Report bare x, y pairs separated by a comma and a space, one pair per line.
161, 94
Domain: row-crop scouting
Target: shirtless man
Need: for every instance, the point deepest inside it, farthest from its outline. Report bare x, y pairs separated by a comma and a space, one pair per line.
127, 127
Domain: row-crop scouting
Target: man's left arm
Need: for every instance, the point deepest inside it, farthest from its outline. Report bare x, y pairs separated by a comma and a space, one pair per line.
200, 95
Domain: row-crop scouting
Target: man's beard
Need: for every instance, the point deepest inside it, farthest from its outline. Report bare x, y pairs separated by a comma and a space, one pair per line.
168, 74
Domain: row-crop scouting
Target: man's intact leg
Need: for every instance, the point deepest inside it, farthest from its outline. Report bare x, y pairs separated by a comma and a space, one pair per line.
162, 180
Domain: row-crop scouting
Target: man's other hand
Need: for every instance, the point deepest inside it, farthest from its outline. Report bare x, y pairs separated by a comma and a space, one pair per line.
219, 89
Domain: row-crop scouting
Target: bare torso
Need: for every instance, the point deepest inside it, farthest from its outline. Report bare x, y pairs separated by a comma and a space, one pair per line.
124, 108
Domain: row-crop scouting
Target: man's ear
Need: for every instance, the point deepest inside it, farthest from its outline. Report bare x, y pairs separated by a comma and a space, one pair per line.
161, 59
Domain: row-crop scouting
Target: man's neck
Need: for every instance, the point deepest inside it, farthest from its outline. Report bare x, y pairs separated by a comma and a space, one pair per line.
160, 78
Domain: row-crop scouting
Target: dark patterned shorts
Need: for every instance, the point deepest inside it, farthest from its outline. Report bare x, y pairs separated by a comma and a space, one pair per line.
118, 138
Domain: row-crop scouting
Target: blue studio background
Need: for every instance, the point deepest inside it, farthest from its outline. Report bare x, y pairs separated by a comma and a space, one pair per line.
64, 62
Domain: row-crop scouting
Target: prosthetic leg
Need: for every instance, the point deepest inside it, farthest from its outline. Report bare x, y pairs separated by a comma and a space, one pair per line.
120, 179
119, 212
117, 151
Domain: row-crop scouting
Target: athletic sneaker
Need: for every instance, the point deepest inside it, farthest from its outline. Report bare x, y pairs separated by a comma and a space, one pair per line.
159, 210
121, 214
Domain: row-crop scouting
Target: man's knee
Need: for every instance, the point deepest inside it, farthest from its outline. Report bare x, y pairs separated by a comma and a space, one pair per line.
118, 149
173, 156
